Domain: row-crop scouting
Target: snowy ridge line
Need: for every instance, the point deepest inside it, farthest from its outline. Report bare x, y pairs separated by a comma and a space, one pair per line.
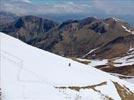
89, 52
6, 56
126, 29
131, 48
117, 19
125, 59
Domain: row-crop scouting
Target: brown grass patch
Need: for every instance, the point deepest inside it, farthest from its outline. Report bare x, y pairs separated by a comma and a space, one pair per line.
124, 92
124, 70
78, 88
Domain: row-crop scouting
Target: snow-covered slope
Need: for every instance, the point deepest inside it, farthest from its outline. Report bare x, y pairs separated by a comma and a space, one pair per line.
127, 59
122, 67
29, 73
124, 60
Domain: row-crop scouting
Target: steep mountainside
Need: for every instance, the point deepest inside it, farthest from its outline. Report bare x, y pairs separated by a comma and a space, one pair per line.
73, 38
76, 38
114, 48
28, 28
39, 75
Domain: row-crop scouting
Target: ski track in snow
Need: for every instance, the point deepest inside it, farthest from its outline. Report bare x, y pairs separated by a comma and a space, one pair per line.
20, 65
21, 68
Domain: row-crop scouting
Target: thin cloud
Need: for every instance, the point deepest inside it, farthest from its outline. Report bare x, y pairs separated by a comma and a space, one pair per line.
26, 7
27, 1
118, 7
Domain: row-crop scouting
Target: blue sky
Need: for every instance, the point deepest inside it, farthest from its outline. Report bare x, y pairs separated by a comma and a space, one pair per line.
70, 8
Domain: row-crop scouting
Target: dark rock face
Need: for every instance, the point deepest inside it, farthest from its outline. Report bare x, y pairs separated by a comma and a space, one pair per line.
27, 28
6, 17
73, 38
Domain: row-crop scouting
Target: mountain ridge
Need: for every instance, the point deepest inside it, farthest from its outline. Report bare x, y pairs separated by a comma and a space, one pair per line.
89, 31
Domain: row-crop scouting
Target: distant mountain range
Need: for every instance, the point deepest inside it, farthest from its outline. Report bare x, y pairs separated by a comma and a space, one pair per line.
89, 38
72, 38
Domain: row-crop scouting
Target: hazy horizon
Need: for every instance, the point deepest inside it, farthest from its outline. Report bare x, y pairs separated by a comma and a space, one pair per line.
62, 10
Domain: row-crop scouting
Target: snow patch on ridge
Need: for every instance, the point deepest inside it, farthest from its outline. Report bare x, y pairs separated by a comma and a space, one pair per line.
126, 29
95, 63
132, 32
91, 51
125, 60
116, 19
